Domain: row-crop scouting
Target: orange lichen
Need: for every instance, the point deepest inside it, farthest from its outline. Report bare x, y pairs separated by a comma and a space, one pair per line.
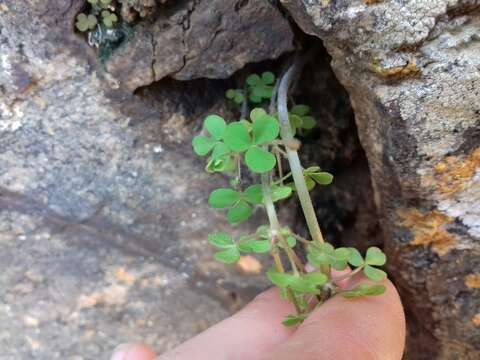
125, 277
248, 264
476, 320
453, 173
472, 281
409, 69
371, 2
429, 229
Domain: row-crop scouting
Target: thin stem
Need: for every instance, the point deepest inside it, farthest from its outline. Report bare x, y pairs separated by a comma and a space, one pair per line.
347, 276
292, 155
301, 239
279, 165
244, 111
282, 179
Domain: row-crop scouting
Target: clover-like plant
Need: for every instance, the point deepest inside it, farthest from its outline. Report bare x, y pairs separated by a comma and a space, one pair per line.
86, 22
100, 9
263, 143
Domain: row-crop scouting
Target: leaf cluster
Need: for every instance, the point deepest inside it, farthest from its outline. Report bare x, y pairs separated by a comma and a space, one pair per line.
100, 9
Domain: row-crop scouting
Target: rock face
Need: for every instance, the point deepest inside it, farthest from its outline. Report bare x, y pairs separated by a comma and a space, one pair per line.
103, 215
412, 70
190, 39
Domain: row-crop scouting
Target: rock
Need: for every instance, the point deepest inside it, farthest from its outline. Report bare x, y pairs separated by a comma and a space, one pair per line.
412, 70
201, 39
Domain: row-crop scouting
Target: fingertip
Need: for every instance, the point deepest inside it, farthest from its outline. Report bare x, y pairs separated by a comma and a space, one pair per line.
133, 352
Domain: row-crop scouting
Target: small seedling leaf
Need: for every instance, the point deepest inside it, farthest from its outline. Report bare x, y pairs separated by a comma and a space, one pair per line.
230, 94
262, 231
281, 192
254, 194
294, 320
220, 150
316, 278
202, 145
256, 113
374, 273
259, 160
300, 110
221, 240
355, 258
375, 257
281, 280
255, 246
265, 129
239, 213
364, 290
229, 256
215, 125
268, 78
223, 198
322, 178
253, 80
236, 137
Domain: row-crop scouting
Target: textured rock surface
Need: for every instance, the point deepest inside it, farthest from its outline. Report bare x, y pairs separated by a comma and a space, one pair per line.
193, 39
412, 70
102, 200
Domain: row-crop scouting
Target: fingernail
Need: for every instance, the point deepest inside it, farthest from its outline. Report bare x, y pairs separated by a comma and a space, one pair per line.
121, 352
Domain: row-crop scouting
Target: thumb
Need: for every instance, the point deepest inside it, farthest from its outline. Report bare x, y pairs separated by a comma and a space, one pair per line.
366, 328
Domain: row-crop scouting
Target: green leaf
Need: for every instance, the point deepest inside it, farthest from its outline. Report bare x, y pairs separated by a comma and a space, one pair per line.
223, 198
316, 278
281, 192
291, 242
215, 125
294, 320
375, 256
230, 94
341, 254
355, 258
109, 18
310, 183
259, 160
308, 122
236, 137
268, 78
364, 290
281, 280
253, 80
338, 265
374, 274
265, 129
239, 98
221, 240
228, 256
322, 178
202, 145
262, 231
254, 194
256, 113
220, 150
239, 213
255, 99
224, 164
303, 285
300, 110
254, 246
86, 22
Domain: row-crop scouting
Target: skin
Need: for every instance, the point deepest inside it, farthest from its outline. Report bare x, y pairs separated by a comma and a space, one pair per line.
368, 328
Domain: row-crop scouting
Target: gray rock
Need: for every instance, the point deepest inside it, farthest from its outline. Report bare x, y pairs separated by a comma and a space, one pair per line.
412, 70
209, 39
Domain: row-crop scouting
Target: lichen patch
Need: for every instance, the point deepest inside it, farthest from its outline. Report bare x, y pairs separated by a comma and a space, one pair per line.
453, 173
472, 281
407, 70
429, 229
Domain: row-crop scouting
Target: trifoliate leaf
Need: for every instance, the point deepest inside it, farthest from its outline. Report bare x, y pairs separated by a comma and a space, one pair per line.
254, 194
281, 192
215, 125
109, 18
221, 240
265, 129
300, 110
355, 257
239, 213
364, 290
374, 274
229, 256
294, 320
268, 78
259, 160
86, 22
223, 198
375, 256
202, 145
256, 113
253, 80
236, 137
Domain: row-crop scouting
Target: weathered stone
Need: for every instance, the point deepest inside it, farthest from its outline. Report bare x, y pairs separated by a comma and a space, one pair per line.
412, 70
197, 39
